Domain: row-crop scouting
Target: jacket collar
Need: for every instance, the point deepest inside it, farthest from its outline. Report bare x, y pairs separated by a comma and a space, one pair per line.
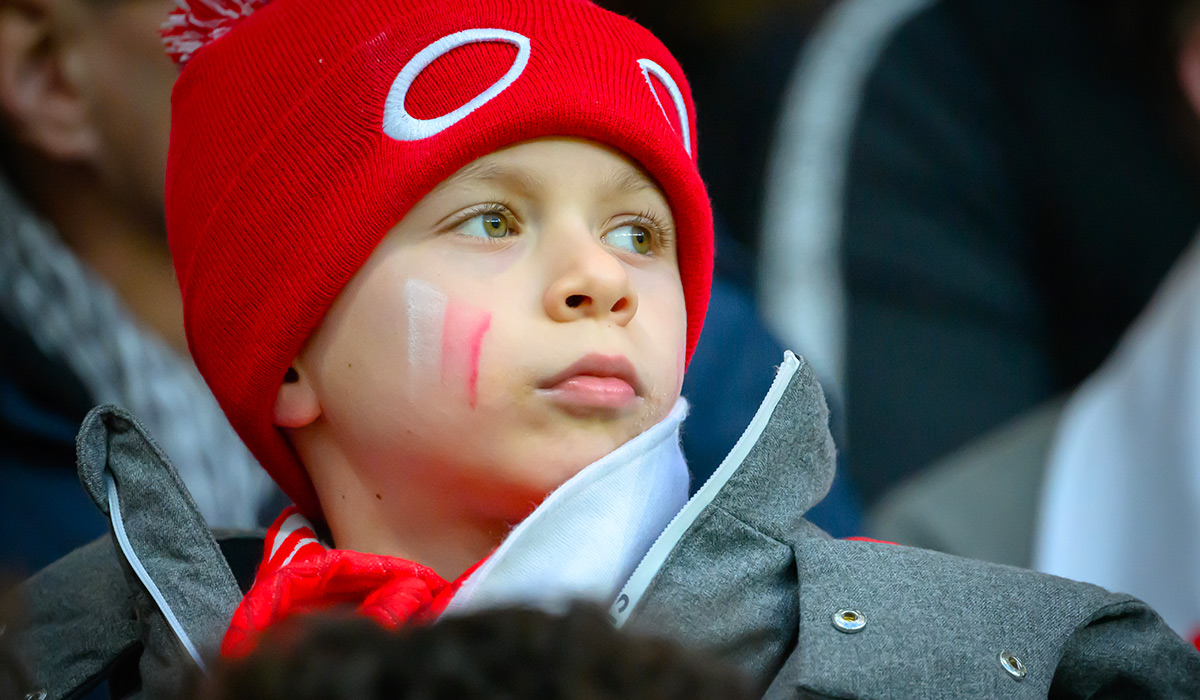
781, 466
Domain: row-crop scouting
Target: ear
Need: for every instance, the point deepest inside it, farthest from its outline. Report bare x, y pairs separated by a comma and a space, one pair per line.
39, 95
1188, 65
296, 404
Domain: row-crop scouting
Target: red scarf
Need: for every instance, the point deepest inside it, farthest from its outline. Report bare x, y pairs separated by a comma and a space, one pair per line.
298, 574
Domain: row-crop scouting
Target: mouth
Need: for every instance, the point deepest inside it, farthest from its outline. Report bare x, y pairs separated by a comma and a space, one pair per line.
595, 382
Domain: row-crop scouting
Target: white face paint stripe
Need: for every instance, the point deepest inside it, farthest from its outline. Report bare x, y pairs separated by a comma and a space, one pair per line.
426, 318
402, 126
293, 522
651, 68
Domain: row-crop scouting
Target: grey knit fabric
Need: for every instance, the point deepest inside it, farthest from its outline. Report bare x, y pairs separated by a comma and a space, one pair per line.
753, 582
791, 466
729, 586
88, 607
79, 619
936, 624
163, 524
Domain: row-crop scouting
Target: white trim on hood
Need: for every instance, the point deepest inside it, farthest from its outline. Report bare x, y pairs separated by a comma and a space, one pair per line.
135, 563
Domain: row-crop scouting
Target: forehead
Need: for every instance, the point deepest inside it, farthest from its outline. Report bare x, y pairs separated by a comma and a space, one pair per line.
553, 164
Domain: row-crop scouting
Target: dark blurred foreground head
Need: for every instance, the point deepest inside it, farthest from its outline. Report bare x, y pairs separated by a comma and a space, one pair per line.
511, 654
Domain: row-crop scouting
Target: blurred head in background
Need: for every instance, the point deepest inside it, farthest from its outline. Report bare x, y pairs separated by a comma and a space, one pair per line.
84, 120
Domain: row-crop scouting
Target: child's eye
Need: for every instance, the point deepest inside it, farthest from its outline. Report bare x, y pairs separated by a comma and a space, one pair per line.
492, 224
636, 239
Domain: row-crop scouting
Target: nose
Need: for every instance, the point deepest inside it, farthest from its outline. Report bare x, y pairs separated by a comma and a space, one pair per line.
588, 282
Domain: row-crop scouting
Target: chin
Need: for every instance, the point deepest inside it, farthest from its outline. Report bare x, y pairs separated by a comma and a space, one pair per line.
542, 458
556, 467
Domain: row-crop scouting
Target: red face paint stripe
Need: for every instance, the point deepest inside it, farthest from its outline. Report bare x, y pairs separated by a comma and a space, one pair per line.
457, 329
476, 350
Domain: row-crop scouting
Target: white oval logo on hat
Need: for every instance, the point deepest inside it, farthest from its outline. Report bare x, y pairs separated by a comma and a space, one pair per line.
650, 68
402, 126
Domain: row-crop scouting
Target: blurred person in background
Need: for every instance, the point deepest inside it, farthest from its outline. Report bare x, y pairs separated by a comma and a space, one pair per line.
504, 654
1103, 486
89, 306
969, 201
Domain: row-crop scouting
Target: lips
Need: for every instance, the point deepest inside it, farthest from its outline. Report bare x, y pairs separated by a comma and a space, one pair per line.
595, 382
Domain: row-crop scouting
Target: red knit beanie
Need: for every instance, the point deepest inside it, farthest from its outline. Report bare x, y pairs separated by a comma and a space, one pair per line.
303, 130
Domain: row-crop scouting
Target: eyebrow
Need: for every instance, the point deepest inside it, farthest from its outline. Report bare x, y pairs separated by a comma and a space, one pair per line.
523, 180
617, 183
628, 182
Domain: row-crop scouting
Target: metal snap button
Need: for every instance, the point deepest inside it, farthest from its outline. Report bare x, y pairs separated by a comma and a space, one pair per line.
849, 621
1012, 665
36, 695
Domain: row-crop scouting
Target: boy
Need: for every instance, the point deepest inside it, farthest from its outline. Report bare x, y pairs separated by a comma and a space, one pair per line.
443, 264
418, 387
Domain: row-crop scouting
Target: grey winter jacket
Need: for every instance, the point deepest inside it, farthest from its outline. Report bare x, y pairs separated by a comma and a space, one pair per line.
739, 572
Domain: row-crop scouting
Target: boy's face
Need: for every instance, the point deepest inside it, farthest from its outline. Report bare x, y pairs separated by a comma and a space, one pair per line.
524, 319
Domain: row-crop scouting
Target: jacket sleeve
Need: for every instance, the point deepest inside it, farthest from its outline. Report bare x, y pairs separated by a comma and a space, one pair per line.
78, 622
1126, 651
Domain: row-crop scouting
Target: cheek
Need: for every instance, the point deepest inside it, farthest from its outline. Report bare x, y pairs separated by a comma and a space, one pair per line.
445, 342
664, 314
